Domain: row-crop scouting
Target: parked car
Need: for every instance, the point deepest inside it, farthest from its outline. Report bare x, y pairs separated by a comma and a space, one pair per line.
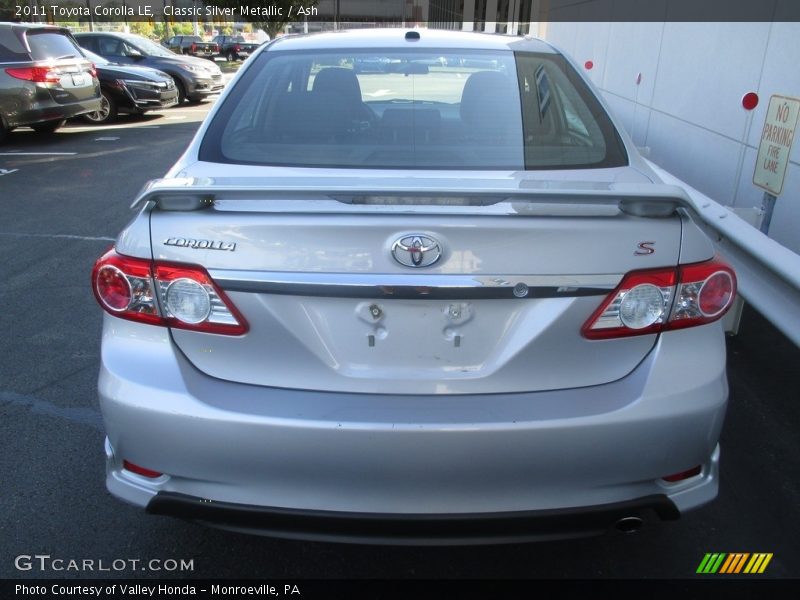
415, 307
234, 47
44, 78
192, 45
375, 64
129, 89
195, 78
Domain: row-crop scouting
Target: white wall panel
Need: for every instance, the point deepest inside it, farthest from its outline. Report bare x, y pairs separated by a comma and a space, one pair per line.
687, 109
781, 75
635, 117
705, 68
785, 227
561, 34
591, 43
705, 160
622, 108
633, 48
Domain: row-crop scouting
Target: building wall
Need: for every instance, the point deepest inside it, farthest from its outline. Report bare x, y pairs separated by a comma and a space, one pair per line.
687, 109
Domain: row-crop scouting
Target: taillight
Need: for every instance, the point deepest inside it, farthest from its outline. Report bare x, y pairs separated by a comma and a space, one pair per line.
35, 74
705, 294
688, 474
124, 287
237, 48
134, 468
191, 300
193, 47
166, 294
661, 299
113, 288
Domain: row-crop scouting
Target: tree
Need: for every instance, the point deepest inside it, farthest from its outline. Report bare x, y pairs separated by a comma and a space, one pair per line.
273, 25
80, 24
145, 28
8, 10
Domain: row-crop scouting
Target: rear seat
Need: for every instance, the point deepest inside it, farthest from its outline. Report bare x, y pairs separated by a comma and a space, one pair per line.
408, 125
333, 112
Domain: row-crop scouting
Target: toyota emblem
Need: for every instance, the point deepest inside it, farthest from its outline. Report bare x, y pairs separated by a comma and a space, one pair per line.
416, 250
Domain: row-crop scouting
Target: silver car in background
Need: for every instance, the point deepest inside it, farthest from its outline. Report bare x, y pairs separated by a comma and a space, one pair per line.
439, 300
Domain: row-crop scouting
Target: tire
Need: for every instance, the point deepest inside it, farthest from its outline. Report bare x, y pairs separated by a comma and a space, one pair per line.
181, 91
182, 97
47, 126
106, 114
230, 56
3, 130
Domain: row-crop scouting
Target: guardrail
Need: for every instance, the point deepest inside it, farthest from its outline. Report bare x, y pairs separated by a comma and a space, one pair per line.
768, 274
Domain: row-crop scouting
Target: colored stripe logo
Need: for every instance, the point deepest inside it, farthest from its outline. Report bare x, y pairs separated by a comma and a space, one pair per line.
734, 563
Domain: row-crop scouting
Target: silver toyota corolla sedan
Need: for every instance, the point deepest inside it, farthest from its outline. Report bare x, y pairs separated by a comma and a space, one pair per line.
439, 300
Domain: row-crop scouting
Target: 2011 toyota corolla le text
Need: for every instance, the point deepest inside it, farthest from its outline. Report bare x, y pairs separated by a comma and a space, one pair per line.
441, 300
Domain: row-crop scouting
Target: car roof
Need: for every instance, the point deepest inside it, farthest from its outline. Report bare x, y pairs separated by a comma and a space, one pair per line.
30, 26
396, 38
117, 34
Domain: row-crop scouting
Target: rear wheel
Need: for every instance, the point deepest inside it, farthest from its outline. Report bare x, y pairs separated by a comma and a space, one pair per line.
107, 112
47, 126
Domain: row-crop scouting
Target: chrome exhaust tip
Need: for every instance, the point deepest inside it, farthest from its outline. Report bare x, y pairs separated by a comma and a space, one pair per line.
629, 524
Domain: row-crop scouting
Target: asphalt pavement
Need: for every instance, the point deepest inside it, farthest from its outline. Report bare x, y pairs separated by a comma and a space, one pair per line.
64, 197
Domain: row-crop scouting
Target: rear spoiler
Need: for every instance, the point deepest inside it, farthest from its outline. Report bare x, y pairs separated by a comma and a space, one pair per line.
641, 200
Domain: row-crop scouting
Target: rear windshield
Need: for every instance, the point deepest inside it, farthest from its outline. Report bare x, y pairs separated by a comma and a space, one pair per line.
413, 109
51, 44
11, 48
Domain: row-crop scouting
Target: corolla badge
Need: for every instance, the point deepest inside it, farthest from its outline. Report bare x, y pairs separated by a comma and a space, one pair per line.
199, 244
416, 250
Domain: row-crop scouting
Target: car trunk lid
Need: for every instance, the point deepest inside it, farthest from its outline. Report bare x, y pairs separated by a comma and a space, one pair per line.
76, 82
333, 303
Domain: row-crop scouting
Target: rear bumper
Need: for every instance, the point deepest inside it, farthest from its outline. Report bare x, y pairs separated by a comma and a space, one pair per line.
209, 53
574, 449
521, 526
40, 112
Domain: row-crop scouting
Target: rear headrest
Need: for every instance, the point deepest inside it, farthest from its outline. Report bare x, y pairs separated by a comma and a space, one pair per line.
308, 117
487, 99
337, 80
